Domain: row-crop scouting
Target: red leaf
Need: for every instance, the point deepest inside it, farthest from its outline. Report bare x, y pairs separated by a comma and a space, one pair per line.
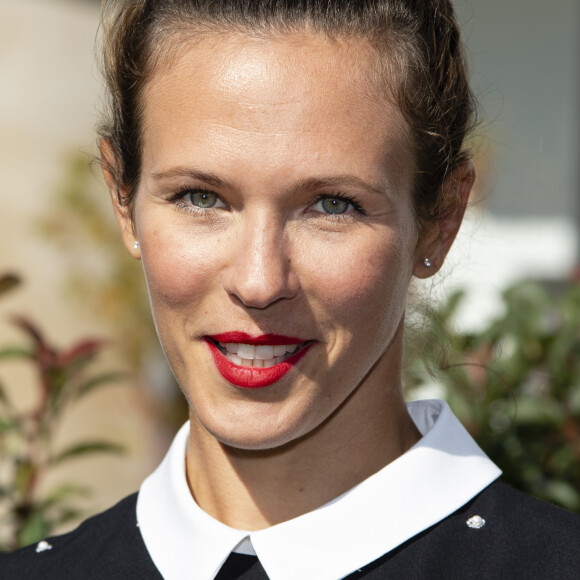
30, 328
45, 355
84, 349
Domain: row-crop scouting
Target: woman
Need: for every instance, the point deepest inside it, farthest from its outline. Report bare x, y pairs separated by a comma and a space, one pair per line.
283, 169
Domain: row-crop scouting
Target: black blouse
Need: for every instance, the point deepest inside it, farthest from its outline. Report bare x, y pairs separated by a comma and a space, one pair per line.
522, 538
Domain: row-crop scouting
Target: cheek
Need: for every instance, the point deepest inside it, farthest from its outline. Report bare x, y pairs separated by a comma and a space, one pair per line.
365, 279
178, 269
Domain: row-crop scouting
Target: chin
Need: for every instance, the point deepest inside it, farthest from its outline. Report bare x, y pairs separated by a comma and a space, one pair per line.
263, 431
244, 441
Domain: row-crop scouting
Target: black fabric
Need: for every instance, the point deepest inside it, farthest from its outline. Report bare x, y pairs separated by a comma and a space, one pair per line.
522, 539
242, 567
107, 546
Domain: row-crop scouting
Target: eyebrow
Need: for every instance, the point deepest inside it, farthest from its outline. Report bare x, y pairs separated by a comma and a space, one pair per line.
315, 183
191, 173
308, 184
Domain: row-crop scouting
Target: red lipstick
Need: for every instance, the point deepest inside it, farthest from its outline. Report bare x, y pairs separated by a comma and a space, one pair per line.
253, 377
255, 340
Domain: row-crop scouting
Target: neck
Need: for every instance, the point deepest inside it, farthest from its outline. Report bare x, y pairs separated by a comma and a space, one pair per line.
252, 490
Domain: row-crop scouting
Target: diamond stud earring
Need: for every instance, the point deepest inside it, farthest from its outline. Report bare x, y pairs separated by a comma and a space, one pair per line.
135, 245
427, 262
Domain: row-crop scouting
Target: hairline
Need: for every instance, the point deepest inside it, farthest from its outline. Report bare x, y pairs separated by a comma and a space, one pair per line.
385, 78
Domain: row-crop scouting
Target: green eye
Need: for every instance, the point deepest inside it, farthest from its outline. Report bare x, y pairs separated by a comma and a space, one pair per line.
334, 205
203, 199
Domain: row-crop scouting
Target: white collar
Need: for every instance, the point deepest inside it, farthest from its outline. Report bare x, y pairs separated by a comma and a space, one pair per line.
438, 475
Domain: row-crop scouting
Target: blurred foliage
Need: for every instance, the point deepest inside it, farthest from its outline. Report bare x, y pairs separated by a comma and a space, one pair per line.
27, 451
102, 275
515, 384
106, 281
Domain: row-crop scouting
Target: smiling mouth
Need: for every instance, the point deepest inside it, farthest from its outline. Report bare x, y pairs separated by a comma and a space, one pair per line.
257, 356
255, 362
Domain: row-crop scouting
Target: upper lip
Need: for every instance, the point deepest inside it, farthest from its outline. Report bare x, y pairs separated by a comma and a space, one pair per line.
242, 337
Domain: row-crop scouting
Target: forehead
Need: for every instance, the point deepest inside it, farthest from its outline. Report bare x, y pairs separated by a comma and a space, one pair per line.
304, 92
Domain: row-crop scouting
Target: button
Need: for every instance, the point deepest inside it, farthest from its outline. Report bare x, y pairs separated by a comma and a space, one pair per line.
43, 546
475, 522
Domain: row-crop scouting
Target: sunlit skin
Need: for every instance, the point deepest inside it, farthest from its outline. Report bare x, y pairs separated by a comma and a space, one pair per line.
275, 197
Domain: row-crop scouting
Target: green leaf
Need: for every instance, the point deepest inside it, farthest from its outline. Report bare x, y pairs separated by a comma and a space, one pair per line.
453, 302
35, 528
563, 493
86, 448
15, 352
95, 382
539, 411
24, 473
4, 397
66, 515
8, 425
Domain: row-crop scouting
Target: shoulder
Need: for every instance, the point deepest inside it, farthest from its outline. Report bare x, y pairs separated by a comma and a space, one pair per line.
512, 507
521, 525
108, 545
501, 534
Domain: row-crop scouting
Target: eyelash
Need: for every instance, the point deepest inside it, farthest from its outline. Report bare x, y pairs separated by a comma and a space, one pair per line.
351, 200
177, 199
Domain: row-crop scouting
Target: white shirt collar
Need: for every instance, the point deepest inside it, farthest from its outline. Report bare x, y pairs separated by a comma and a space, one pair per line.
438, 475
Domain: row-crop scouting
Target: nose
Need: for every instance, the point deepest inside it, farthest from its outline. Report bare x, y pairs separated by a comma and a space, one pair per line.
260, 271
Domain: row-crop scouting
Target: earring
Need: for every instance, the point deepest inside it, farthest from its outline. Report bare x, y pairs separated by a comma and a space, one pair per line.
427, 262
135, 245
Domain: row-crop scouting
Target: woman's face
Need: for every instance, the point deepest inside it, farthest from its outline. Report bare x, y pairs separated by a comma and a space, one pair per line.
275, 220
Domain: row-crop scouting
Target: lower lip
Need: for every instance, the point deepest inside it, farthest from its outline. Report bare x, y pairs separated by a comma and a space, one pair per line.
252, 377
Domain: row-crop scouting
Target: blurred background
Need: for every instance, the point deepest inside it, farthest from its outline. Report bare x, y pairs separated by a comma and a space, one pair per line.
63, 269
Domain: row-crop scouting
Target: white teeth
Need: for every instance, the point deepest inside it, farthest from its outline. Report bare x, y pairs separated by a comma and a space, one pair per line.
265, 351
279, 349
260, 356
246, 351
256, 363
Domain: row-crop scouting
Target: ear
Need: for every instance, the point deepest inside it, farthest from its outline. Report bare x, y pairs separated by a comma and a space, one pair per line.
437, 237
109, 163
